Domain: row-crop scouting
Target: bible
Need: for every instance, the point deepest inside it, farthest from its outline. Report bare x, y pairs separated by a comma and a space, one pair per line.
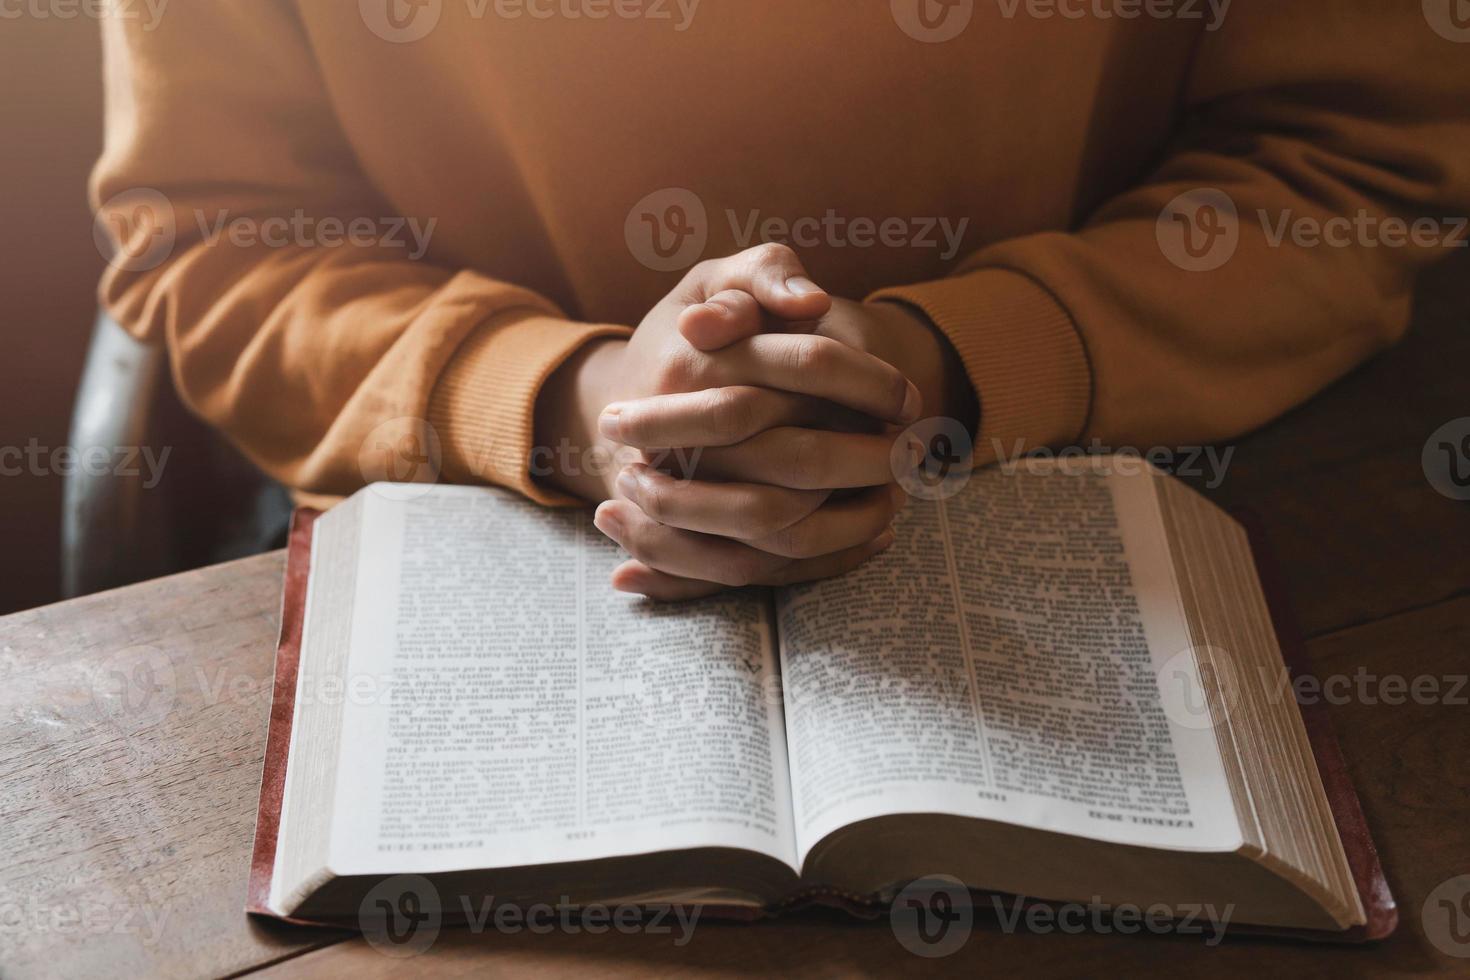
1064, 682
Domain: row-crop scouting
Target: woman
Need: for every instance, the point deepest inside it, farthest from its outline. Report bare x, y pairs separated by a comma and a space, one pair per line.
1049, 221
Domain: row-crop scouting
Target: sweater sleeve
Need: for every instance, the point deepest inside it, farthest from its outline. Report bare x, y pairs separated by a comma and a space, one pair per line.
318, 337
1199, 304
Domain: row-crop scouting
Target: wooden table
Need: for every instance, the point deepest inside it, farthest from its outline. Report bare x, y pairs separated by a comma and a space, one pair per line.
132, 726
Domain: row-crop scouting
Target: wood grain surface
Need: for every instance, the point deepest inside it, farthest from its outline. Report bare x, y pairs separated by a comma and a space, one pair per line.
132, 726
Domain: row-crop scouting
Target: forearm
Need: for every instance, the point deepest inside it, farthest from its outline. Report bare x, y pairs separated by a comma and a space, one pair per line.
1186, 309
329, 360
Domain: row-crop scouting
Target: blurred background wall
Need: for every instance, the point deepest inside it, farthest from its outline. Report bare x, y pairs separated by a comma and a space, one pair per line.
50, 133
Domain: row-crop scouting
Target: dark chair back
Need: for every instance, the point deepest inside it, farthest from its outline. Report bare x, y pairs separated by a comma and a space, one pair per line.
153, 489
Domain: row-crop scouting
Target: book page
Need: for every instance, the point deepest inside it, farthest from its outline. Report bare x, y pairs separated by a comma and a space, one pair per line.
1002, 661
518, 711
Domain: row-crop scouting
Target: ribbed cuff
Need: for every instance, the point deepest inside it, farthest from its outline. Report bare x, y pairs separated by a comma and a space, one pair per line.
1021, 350
483, 406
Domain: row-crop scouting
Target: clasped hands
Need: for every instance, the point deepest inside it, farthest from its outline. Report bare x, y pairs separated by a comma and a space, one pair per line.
760, 417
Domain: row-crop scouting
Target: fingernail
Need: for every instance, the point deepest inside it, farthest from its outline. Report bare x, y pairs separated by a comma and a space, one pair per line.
610, 423
718, 309
628, 483
884, 541
606, 521
802, 286
913, 405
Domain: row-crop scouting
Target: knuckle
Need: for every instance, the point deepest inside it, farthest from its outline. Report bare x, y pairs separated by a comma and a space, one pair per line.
653, 499
739, 571
729, 414
774, 253
741, 575
667, 376
813, 355
768, 520
638, 543
818, 353
803, 458
637, 546
795, 542
704, 271
898, 390
679, 371
750, 569
741, 303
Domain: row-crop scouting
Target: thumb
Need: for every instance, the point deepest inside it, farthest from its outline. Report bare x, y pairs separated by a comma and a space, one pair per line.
771, 273
724, 319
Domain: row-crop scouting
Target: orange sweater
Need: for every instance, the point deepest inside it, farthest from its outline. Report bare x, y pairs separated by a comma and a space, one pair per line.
1014, 181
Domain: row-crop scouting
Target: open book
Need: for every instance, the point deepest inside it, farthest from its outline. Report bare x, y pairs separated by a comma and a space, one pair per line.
1063, 683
